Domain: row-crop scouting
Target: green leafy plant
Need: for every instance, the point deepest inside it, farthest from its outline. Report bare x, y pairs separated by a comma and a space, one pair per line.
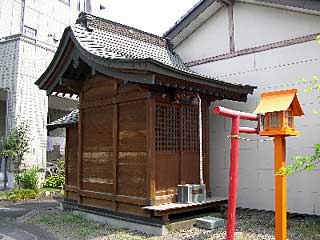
14, 146
28, 179
56, 180
21, 194
307, 162
313, 85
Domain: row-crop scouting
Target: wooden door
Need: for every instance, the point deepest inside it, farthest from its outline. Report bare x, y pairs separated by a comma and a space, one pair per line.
167, 141
190, 145
176, 146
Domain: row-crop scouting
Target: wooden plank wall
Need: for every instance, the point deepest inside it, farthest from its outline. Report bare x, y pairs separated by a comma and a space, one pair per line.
113, 153
71, 163
179, 164
121, 164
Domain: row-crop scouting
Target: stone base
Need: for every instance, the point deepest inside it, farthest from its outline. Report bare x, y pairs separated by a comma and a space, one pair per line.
210, 222
134, 226
122, 220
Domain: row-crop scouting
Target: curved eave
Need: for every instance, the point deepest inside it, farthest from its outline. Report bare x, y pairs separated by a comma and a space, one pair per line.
69, 48
56, 58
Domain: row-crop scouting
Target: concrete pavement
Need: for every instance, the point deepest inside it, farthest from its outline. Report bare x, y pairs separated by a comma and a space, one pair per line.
12, 228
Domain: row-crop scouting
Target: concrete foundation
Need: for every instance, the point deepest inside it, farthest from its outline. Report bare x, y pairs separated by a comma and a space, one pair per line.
122, 220
210, 222
134, 226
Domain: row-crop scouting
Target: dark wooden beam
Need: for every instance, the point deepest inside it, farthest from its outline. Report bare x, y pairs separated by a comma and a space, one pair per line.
71, 83
227, 2
231, 27
284, 43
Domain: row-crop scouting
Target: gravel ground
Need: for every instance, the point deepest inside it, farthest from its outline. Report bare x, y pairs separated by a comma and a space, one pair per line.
251, 225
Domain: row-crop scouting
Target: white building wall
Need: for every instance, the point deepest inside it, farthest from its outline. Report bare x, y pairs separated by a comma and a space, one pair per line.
216, 27
49, 18
257, 25
10, 17
270, 70
275, 69
9, 58
32, 103
24, 59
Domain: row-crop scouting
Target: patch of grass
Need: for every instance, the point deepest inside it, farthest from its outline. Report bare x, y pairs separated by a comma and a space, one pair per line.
3, 195
241, 236
50, 189
307, 228
70, 225
19, 195
123, 234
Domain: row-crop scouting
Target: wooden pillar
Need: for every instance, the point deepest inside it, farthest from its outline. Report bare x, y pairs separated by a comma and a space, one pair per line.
151, 164
280, 188
66, 162
79, 162
115, 133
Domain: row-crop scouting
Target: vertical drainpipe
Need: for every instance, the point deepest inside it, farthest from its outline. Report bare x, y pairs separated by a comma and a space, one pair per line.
22, 15
201, 140
6, 132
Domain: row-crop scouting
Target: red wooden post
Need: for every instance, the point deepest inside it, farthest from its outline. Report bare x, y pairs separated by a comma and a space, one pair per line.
233, 178
234, 160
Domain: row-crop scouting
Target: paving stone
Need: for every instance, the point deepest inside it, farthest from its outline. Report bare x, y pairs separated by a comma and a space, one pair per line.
210, 222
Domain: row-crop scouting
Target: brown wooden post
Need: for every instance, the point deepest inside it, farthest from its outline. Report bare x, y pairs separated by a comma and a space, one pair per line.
151, 169
115, 149
79, 163
66, 163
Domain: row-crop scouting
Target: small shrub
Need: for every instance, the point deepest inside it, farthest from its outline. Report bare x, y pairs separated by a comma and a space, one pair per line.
28, 179
56, 180
21, 194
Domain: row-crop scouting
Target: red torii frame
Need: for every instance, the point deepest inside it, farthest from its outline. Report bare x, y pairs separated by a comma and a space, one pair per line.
236, 116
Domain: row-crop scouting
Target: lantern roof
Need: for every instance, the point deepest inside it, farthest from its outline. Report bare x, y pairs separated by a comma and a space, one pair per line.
280, 101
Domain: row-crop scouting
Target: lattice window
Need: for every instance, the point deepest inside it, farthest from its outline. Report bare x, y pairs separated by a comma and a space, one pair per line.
274, 120
190, 129
167, 128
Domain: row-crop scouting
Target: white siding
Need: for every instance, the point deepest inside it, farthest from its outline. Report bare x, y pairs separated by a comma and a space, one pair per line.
258, 25
208, 39
49, 18
32, 103
270, 70
10, 17
9, 58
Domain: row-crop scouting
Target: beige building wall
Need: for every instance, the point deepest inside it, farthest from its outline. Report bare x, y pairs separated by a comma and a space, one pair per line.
279, 68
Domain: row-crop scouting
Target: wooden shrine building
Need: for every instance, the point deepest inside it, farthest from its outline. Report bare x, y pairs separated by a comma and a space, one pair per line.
136, 134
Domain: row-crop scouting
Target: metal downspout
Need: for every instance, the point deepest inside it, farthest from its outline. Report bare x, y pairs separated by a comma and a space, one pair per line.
201, 140
22, 15
6, 132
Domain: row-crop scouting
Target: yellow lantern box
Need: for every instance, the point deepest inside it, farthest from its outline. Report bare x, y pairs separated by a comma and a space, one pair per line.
278, 110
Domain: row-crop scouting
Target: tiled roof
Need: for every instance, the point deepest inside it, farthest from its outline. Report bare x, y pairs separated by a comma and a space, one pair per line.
115, 50
111, 40
69, 119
